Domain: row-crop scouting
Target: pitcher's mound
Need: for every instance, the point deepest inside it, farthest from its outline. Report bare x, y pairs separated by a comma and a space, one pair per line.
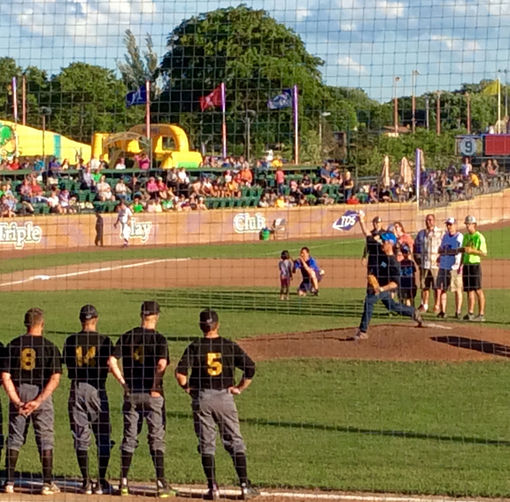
435, 341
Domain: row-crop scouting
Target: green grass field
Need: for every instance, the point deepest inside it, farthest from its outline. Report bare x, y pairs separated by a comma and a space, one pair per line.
431, 428
497, 243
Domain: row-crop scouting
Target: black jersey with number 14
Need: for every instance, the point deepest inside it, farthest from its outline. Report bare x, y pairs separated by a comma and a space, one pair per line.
31, 359
86, 356
213, 362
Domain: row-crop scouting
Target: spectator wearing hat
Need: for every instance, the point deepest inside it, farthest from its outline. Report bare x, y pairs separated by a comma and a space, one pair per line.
144, 354
450, 275
387, 274
473, 247
407, 291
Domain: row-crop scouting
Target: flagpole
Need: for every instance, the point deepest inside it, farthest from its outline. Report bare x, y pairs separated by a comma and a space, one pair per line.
15, 112
24, 100
295, 110
499, 107
417, 162
223, 120
148, 117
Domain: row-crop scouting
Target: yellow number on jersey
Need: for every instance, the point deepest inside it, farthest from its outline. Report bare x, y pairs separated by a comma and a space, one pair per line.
88, 359
27, 359
138, 354
214, 366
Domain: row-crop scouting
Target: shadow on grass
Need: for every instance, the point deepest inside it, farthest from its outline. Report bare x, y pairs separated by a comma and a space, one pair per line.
237, 300
484, 346
357, 430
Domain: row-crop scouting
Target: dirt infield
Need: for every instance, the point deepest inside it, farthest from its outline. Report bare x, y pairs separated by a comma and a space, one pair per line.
184, 272
453, 342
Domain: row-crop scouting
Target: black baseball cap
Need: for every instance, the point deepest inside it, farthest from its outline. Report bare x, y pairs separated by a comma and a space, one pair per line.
150, 308
88, 312
377, 219
208, 318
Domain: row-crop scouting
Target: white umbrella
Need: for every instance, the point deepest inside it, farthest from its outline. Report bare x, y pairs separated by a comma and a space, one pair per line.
385, 173
406, 173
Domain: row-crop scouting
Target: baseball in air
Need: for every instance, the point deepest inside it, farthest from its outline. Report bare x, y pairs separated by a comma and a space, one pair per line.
361, 212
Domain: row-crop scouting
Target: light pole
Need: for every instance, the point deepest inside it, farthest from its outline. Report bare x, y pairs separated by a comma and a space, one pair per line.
250, 114
323, 114
396, 80
414, 74
438, 113
44, 111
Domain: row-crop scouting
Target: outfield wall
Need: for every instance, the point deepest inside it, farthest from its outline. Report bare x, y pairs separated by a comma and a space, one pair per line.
230, 225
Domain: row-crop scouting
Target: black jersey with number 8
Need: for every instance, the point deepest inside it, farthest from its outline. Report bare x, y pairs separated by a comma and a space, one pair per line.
31, 359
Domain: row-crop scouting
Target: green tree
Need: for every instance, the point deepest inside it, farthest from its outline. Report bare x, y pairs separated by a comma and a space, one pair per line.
8, 70
136, 68
256, 58
87, 99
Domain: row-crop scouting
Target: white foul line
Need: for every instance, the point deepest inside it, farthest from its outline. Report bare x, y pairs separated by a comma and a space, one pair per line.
91, 271
335, 496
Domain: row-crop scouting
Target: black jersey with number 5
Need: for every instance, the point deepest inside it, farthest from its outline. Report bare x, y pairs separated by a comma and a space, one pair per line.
213, 362
31, 359
86, 356
140, 350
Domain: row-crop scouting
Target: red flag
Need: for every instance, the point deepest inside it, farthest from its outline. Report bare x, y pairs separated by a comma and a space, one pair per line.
211, 100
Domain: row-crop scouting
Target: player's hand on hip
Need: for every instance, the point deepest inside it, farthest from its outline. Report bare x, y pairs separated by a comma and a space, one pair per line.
155, 393
234, 390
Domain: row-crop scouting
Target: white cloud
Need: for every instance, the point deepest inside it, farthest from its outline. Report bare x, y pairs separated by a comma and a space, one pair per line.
456, 44
390, 9
351, 65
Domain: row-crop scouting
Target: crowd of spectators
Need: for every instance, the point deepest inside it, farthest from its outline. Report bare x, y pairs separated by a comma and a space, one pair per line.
60, 188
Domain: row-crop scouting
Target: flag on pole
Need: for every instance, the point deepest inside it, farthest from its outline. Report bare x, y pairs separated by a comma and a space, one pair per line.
282, 100
215, 98
138, 97
492, 89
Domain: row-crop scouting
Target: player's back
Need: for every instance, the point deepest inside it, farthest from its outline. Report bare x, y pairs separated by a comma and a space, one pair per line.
31, 359
86, 356
213, 362
140, 350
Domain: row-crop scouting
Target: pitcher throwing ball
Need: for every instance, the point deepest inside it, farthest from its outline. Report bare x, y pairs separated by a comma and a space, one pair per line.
212, 361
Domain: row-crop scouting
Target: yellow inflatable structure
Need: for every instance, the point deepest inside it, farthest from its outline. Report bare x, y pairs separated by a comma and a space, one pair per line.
25, 141
169, 145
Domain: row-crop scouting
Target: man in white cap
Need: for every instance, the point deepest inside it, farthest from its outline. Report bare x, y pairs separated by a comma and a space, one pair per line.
450, 269
474, 247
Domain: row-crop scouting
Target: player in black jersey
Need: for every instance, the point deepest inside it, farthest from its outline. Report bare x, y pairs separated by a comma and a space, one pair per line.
144, 354
212, 361
30, 375
86, 356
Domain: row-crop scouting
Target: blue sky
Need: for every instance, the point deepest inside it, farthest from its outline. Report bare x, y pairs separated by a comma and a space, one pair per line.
364, 43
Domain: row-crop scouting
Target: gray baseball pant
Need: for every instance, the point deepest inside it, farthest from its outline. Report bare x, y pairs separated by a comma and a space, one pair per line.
136, 408
216, 407
42, 418
88, 408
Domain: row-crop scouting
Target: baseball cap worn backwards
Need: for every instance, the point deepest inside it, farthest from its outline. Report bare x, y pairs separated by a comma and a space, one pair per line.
389, 237
150, 308
88, 312
469, 219
208, 317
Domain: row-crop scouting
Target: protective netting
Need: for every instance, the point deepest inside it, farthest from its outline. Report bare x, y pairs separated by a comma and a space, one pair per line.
327, 180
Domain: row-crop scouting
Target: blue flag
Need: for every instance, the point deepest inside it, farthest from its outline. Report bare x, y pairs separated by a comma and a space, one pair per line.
138, 97
346, 221
282, 100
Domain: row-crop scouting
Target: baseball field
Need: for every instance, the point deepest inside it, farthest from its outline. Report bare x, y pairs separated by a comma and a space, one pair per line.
408, 411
